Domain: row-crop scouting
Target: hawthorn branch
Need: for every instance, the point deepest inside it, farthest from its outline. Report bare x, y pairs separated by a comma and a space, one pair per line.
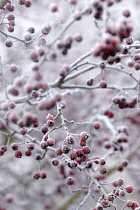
16, 38
74, 64
80, 72
96, 87
86, 197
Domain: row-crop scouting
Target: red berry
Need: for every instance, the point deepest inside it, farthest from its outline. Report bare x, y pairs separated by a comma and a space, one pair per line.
18, 154
102, 65
129, 188
50, 123
82, 143
129, 41
73, 2
134, 205
58, 151
41, 51
102, 162
107, 145
77, 15
11, 24
31, 146
36, 175
9, 198
14, 146
103, 84
121, 193
44, 129
65, 149
71, 172
53, 7
14, 68
9, 7
43, 175
21, 2
129, 203
55, 162
89, 165
78, 38
3, 148
33, 56
73, 156
70, 139
96, 160
137, 66
70, 181
110, 197
114, 183
13, 90
104, 203
79, 153
86, 150
111, 115
120, 182
49, 117
125, 163
31, 30
90, 82
103, 170
84, 136
38, 157
120, 167
51, 142
72, 164
28, 3
1, 153
126, 13
13, 118
28, 153
58, 97
8, 43
96, 125
43, 144
23, 131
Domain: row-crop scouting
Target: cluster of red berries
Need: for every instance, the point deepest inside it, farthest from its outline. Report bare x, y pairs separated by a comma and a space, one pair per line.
26, 3
28, 120
8, 105
11, 22
10, 8
122, 103
122, 165
99, 7
50, 103
117, 144
136, 64
37, 86
119, 191
108, 113
18, 153
66, 44
35, 54
109, 47
122, 31
42, 175
19, 82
